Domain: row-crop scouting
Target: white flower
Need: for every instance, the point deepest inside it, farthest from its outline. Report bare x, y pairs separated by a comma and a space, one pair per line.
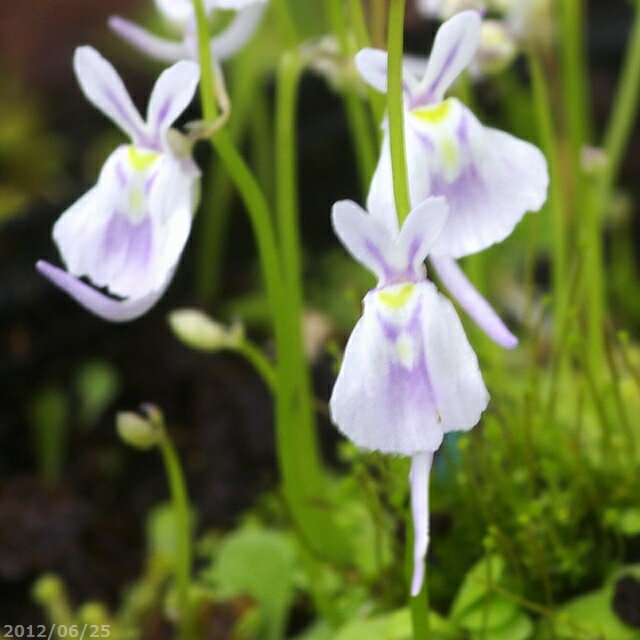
489, 178
409, 374
180, 13
127, 233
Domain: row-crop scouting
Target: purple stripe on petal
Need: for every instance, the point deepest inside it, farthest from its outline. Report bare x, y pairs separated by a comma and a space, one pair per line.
121, 175
374, 251
126, 253
431, 92
122, 112
162, 114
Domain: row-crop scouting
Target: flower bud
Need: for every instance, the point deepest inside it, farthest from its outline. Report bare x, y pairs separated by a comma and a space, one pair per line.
497, 47
137, 431
199, 331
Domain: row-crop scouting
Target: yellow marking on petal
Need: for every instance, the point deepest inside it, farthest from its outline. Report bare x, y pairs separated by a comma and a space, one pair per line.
396, 299
406, 351
136, 200
449, 154
141, 159
434, 115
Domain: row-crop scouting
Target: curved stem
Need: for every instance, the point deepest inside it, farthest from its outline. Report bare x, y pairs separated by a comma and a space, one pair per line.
180, 502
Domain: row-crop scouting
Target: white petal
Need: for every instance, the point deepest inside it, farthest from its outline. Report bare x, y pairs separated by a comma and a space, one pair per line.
421, 230
102, 85
98, 303
429, 8
151, 45
238, 32
367, 239
372, 66
472, 301
460, 393
171, 95
419, 481
501, 178
453, 49
177, 11
380, 200
408, 373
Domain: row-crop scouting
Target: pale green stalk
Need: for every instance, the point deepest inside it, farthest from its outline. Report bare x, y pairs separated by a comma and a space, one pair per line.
395, 108
362, 132
180, 504
557, 199
576, 120
298, 455
623, 115
213, 221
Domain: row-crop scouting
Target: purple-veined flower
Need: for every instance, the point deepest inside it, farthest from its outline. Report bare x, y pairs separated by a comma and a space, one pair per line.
489, 178
180, 13
126, 234
409, 374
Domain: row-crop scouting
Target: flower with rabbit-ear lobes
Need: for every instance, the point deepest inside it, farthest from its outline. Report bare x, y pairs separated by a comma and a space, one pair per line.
489, 178
126, 234
409, 374
181, 15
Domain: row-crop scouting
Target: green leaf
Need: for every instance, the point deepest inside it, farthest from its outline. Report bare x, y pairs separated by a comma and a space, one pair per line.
259, 563
591, 615
629, 523
519, 627
474, 587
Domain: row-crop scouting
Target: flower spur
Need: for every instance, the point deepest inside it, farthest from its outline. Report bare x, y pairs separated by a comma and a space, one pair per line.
409, 374
126, 234
489, 178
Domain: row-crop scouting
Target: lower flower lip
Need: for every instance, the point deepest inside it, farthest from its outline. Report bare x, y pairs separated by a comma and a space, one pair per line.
97, 302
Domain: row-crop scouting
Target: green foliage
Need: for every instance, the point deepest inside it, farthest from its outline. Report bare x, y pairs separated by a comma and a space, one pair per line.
260, 563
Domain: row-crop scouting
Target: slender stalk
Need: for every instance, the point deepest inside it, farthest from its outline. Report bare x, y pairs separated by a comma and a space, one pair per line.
557, 205
180, 502
395, 105
213, 220
297, 447
260, 363
362, 133
623, 115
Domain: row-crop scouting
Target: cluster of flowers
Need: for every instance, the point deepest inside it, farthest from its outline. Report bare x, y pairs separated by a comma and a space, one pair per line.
409, 374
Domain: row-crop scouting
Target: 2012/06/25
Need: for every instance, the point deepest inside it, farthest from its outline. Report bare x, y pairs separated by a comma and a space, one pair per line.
74, 631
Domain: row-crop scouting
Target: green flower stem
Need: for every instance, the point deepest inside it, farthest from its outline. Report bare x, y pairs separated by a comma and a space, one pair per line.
180, 502
576, 121
395, 108
362, 132
623, 115
260, 363
557, 202
298, 456
296, 406
573, 62
395, 105
218, 191
359, 22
